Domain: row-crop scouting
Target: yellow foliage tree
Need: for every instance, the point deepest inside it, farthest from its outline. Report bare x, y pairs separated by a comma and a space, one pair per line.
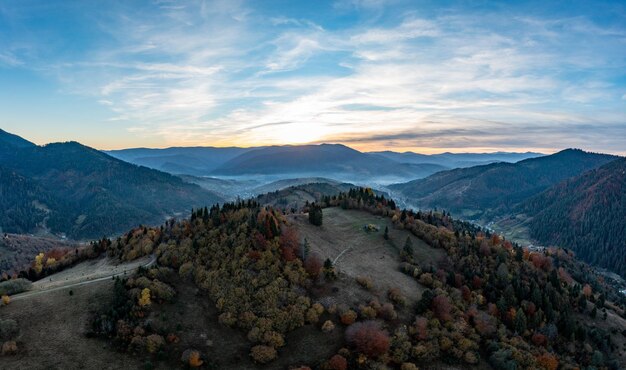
144, 300
39, 262
194, 359
50, 261
6, 300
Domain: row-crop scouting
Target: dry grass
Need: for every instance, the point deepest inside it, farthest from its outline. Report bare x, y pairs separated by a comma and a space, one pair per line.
52, 330
364, 254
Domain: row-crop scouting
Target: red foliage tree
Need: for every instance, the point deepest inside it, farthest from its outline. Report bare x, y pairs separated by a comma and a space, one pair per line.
289, 242
368, 338
421, 328
466, 293
338, 362
313, 265
441, 308
539, 339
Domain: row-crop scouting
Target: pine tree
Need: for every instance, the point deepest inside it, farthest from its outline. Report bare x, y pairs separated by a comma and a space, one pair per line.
386, 233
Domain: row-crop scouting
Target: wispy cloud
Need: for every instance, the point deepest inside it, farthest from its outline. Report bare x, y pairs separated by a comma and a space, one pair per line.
229, 72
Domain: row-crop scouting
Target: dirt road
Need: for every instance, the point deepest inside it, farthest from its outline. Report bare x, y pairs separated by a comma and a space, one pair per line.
76, 276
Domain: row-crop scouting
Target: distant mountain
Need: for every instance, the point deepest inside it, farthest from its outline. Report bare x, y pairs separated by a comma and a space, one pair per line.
197, 161
457, 160
493, 189
10, 140
326, 160
73, 189
586, 213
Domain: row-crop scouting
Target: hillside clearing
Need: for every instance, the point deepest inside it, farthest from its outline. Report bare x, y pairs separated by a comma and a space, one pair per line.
360, 253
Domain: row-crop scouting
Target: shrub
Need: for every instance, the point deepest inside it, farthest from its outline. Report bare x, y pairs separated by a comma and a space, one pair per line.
14, 286
368, 338
409, 366
396, 296
9, 348
365, 282
387, 312
368, 312
328, 326
154, 342
263, 354
192, 358
338, 362
8, 329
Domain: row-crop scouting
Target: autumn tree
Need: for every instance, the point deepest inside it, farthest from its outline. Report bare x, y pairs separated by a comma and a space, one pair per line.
338, 362
144, 299
313, 265
441, 308
6, 300
368, 338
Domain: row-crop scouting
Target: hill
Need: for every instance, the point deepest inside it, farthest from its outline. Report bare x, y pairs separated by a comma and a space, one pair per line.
197, 161
244, 286
484, 191
326, 160
84, 193
457, 160
586, 213
295, 197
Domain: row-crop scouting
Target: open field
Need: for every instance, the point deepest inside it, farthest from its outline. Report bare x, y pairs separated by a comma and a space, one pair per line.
359, 253
52, 328
84, 273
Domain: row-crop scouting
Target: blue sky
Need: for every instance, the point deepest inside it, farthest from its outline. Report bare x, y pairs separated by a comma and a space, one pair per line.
427, 76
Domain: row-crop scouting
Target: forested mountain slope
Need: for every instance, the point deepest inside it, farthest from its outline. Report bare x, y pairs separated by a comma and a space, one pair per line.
85, 193
586, 213
493, 189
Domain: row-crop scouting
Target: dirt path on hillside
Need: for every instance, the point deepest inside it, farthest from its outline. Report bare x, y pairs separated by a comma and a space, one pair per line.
84, 273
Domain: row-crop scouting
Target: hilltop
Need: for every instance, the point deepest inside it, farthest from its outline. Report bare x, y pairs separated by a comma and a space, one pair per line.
243, 286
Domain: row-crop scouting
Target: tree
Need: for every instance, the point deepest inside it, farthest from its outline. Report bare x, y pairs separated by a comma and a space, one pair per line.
338, 362
315, 215
407, 250
6, 300
520, 322
386, 235
313, 265
306, 248
144, 300
368, 338
441, 308
263, 354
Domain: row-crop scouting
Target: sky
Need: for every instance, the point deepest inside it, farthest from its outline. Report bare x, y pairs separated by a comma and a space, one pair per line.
424, 76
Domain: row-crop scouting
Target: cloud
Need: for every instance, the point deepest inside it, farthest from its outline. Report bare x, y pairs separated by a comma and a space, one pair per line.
9, 59
230, 72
